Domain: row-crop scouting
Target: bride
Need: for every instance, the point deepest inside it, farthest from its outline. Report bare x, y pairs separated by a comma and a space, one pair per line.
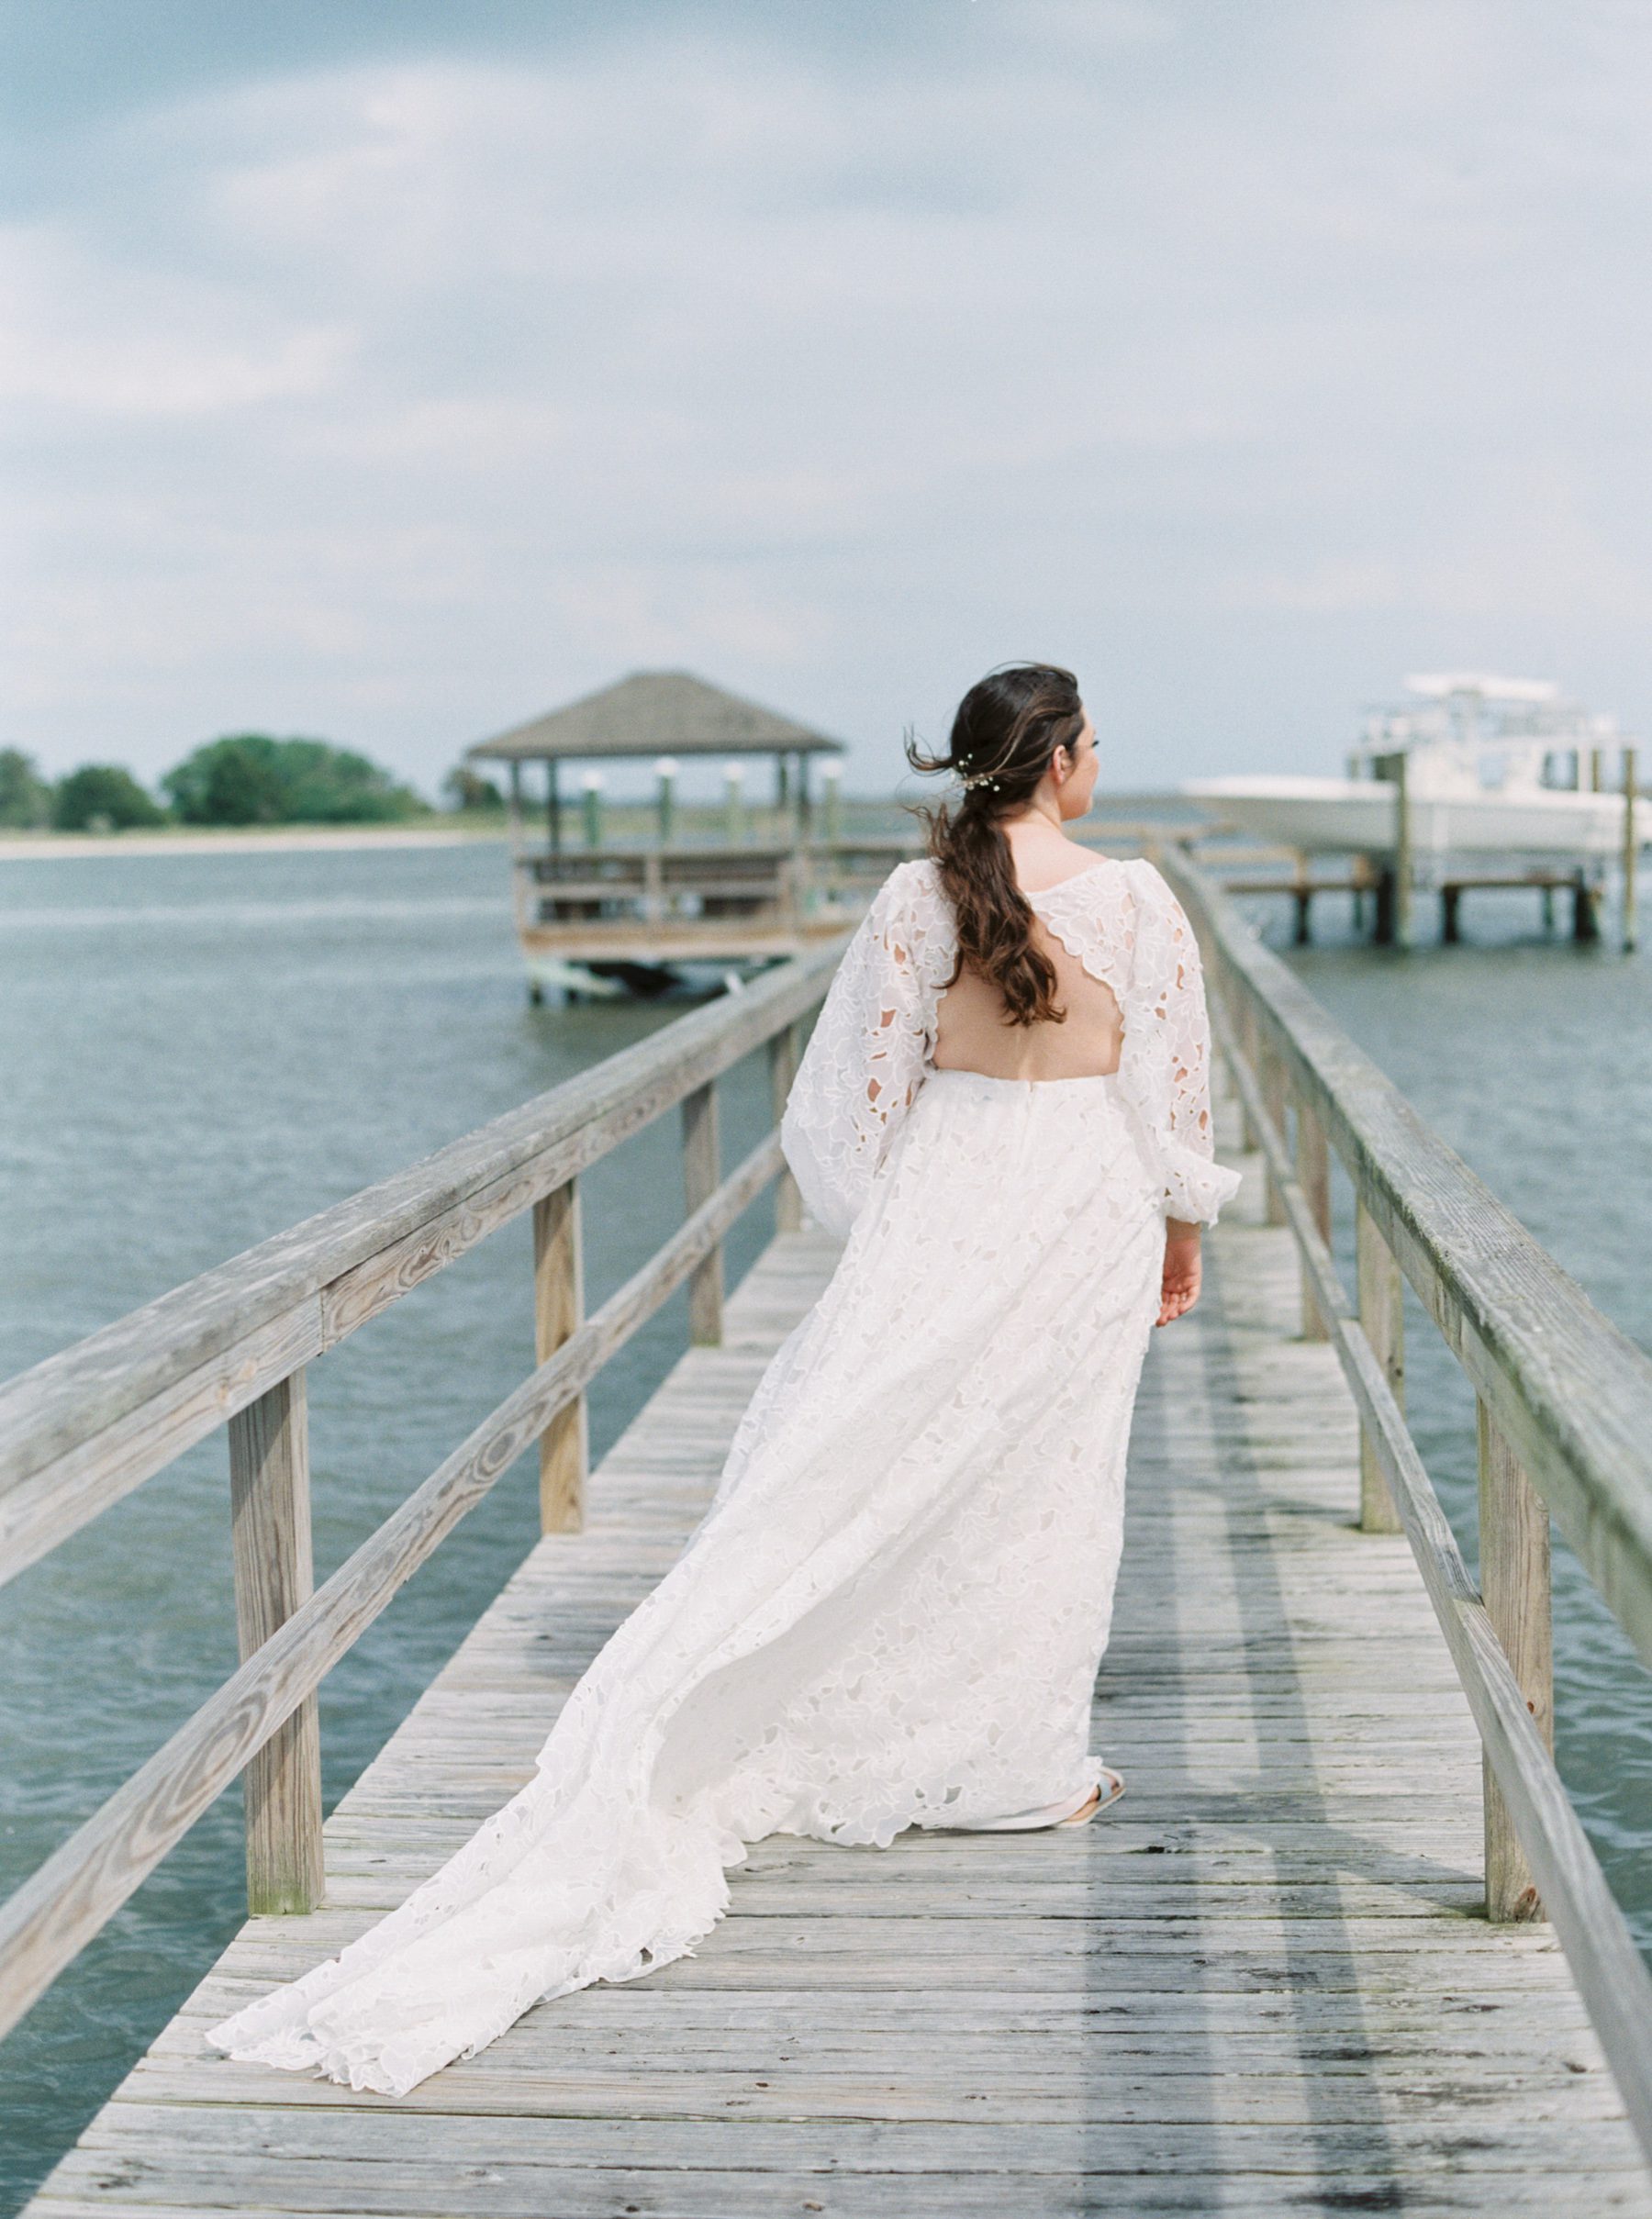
892, 1611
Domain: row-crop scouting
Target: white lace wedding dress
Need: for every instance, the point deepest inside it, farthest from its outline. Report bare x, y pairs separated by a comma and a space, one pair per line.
892, 1612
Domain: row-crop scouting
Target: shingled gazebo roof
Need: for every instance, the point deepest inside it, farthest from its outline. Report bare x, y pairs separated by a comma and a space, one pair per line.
655, 712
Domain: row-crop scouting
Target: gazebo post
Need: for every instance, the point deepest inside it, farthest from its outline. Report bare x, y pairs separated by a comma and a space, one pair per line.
553, 806
804, 808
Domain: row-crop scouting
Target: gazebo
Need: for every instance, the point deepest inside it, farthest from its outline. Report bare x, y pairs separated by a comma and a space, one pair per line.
604, 917
663, 713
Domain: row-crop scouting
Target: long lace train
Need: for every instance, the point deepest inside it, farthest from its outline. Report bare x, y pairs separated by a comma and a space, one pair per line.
890, 1615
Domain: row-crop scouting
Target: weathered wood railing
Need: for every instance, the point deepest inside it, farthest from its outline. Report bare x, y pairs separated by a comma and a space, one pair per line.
1565, 1425
86, 1427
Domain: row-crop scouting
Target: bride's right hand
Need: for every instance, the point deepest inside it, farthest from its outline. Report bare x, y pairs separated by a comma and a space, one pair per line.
1184, 1265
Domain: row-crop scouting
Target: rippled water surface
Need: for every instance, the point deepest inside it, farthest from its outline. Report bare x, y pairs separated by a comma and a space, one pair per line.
196, 1051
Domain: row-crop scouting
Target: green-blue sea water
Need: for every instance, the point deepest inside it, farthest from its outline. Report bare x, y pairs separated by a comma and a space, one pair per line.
197, 1051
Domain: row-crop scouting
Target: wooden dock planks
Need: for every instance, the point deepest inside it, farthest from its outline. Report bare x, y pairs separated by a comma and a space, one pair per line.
1261, 1985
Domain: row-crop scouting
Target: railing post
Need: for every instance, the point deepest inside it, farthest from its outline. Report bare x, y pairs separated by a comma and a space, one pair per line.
1246, 1034
1271, 1072
1514, 1587
274, 1573
1403, 865
1313, 1176
558, 1311
1631, 851
1255, 1053
1381, 1291
515, 810
784, 1053
701, 1171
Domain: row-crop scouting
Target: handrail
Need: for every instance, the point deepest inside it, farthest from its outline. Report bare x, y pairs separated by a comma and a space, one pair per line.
84, 1428
1572, 1393
97, 1420
1554, 1377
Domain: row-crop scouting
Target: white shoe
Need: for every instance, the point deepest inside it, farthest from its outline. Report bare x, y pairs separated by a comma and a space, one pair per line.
1054, 1814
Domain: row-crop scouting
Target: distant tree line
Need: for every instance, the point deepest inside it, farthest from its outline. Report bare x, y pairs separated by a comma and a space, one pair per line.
245, 778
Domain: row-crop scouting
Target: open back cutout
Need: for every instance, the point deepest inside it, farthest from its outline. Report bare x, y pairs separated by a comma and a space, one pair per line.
971, 1034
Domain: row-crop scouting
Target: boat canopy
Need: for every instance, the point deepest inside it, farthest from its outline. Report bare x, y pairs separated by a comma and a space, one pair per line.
1441, 686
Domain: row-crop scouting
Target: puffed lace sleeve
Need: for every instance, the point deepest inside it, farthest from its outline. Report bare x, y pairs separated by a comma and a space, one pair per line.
1166, 1056
868, 1053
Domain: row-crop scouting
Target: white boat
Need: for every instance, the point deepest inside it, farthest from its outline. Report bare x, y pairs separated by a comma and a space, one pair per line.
1492, 767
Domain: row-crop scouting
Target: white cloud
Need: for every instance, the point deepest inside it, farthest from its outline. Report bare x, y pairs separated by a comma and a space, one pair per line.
631, 612
1338, 587
397, 399
1531, 552
83, 331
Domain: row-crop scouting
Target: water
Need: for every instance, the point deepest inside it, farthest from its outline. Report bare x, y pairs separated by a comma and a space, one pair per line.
195, 1052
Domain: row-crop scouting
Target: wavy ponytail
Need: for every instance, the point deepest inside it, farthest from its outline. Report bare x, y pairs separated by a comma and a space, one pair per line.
1007, 728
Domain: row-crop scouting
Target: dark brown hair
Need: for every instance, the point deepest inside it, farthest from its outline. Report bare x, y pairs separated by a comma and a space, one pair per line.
1007, 728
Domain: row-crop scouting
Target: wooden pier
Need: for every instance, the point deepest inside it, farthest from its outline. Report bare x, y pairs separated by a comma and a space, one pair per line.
1391, 876
1266, 1983
1366, 884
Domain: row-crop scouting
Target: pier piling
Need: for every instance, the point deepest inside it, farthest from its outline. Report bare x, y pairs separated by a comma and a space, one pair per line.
1631, 856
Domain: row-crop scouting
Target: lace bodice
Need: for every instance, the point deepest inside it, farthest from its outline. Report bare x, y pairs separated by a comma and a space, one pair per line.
873, 1044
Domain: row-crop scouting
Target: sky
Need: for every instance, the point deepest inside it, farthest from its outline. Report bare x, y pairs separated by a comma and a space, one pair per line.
391, 371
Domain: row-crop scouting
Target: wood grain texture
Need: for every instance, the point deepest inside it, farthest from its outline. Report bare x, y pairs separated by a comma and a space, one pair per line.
701, 1170
1514, 1585
1313, 1176
785, 1054
1276, 1095
274, 1576
44, 1507
1261, 1984
558, 1314
1380, 1293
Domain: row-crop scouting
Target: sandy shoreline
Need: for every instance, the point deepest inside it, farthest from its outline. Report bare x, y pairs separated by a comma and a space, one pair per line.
56, 847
